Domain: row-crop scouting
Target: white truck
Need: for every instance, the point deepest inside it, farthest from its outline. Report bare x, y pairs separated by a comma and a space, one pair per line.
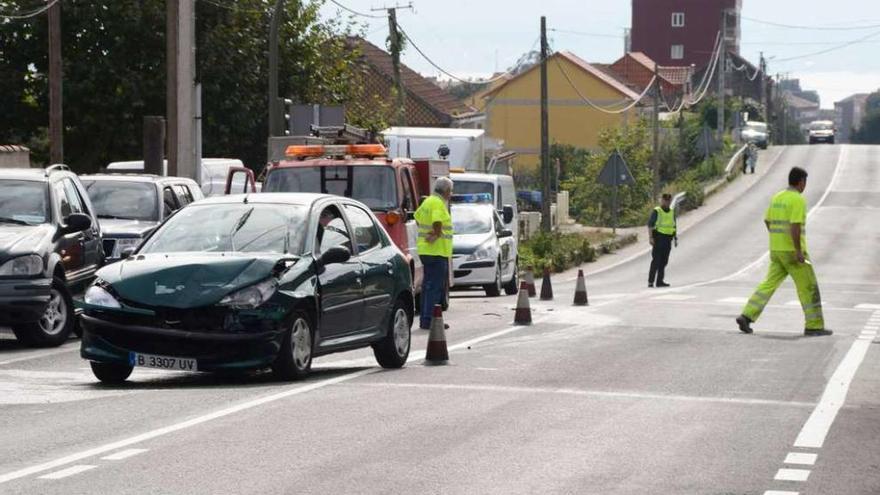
466, 147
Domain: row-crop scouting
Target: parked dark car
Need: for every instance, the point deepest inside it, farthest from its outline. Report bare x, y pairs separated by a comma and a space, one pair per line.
50, 249
130, 206
249, 282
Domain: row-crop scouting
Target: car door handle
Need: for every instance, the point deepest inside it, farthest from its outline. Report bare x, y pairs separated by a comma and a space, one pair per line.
390, 267
358, 281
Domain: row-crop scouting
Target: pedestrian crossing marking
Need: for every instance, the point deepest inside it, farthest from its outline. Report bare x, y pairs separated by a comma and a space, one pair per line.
674, 297
734, 300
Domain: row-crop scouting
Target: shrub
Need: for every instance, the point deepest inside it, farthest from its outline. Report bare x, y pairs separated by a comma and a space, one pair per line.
556, 251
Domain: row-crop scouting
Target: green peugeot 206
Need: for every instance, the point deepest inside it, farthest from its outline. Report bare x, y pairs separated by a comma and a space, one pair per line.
250, 282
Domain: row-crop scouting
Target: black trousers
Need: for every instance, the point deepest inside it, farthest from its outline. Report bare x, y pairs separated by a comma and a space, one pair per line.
659, 257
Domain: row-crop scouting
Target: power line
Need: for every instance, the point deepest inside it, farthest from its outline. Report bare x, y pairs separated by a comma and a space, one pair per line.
28, 15
829, 50
599, 107
355, 12
234, 8
584, 33
811, 28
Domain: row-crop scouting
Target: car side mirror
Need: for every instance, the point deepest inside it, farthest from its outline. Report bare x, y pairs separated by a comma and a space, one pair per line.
126, 253
505, 233
335, 254
507, 213
76, 222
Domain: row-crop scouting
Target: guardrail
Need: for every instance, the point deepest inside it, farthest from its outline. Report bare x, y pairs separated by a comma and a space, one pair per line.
679, 198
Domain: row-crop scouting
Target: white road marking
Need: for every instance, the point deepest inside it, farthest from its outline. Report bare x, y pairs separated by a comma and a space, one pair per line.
778, 492
21, 473
872, 328
801, 458
64, 473
125, 454
816, 428
793, 303
592, 393
674, 297
734, 300
39, 355
785, 474
868, 306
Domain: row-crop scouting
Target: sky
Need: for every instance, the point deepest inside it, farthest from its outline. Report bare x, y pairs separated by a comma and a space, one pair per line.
474, 38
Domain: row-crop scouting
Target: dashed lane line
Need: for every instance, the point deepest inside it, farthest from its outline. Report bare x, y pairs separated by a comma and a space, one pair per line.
801, 458
787, 474
779, 492
125, 454
674, 297
64, 473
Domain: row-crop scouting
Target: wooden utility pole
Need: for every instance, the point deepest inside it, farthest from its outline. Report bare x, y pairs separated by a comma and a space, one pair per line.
722, 70
546, 221
395, 42
56, 76
655, 157
275, 113
180, 87
764, 100
154, 144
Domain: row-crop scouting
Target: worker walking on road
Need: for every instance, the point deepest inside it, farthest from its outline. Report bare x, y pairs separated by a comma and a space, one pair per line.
786, 220
662, 231
435, 247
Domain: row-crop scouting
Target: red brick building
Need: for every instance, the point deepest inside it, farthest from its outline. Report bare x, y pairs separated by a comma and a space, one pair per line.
683, 32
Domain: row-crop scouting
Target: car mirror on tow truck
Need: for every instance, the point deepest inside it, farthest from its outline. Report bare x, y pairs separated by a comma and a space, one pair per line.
77, 222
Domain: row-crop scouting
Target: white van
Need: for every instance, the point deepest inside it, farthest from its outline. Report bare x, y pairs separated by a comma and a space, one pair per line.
212, 177
503, 192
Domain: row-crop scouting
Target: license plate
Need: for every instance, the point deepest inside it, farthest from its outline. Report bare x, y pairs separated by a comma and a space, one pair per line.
162, 362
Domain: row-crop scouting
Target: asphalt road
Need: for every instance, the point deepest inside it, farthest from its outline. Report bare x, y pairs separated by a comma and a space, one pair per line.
645, 391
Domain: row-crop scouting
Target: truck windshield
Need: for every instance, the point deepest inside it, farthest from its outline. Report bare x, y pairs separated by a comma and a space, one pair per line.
467, 187
373, 185
23, 202
124, 200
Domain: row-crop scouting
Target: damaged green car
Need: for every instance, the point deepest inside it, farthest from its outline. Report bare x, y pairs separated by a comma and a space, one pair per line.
251, 282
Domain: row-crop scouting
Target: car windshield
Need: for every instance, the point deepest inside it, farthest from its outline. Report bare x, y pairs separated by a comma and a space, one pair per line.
821, 126
468, 220
373, 185
23, 202
232, 228
757, 126
123, 200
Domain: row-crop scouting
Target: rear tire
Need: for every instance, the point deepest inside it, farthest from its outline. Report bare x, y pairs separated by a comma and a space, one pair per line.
294, 359
56, 324
110, 373
393, 350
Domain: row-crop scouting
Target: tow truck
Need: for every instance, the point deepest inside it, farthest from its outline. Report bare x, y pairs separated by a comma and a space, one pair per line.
329, 163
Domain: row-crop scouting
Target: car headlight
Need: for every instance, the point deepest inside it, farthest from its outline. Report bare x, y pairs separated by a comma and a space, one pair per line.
251, 297
123, 244
23, 266
98, 296
483, 251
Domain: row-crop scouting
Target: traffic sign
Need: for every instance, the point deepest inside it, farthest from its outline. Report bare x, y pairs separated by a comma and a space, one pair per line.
616, 172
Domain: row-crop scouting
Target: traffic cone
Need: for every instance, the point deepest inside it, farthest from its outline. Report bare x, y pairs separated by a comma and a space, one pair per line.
523, 315
580, 291
437, 353
530, 282
546, 287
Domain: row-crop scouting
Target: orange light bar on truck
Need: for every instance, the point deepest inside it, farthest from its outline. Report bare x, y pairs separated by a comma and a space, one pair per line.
300, 151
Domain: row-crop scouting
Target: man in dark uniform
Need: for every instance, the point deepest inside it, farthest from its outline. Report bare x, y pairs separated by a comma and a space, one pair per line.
662, 233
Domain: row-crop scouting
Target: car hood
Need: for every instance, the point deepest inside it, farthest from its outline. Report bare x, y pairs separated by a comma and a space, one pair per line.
468, 243
114, 228
18, 240
186, 280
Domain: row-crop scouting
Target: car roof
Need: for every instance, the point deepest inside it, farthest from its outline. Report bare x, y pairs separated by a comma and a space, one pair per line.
36, 174
133, 178
477, 177
304, 199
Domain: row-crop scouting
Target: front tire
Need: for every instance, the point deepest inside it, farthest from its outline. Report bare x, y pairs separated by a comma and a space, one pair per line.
512, 288
494, 289
294, 359
56, 324
110, 373
393, 350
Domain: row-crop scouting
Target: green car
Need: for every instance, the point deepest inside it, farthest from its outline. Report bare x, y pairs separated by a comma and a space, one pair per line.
250, 282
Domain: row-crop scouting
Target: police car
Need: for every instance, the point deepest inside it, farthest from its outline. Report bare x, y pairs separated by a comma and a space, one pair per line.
483, 250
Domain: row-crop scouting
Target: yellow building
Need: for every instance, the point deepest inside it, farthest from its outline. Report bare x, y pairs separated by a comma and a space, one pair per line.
513, 109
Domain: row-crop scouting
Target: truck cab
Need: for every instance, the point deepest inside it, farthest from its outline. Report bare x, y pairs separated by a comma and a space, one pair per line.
391, 188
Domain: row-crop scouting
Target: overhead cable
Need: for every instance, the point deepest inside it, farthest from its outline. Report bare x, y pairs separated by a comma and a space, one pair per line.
829, 50
811, 28
28, 15
599, 107
355, 12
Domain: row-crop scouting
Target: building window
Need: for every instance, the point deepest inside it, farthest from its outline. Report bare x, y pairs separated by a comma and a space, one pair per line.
678, 19
677, 52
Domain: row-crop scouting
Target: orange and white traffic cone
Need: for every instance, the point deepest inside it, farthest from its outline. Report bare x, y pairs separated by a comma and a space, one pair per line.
530, 282
523, 315
437, 353
546, 287
580, 291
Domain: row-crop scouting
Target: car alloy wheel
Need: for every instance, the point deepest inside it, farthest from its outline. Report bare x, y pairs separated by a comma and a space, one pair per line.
401, 332
301, 343
54, 319
393, 350
295, 355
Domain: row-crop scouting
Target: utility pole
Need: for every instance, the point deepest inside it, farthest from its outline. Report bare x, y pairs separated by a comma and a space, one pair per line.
56, 76
546, 223
722, 69
274, 109
655, 157
396, 45
763, 69
180, 88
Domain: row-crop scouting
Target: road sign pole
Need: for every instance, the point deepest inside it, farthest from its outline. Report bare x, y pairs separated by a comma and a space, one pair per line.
614, 206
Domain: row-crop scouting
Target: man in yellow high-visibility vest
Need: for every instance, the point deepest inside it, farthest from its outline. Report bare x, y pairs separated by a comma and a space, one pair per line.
662, 231
435, 247
786, 220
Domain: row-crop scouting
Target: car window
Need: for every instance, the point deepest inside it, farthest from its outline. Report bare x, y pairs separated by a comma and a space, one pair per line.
409, 198
23, 201
169, 201
332, 231
499, 225
123, 199
76, 203
366, 235
61, 201
184, 197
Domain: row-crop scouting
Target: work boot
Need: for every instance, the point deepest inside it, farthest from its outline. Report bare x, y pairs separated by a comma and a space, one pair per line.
745, 324
662, 284
817, 333
650, 285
